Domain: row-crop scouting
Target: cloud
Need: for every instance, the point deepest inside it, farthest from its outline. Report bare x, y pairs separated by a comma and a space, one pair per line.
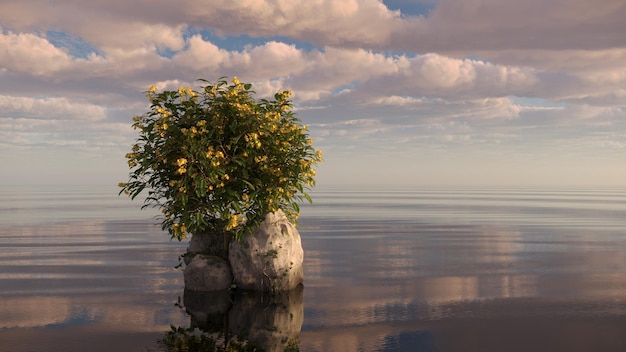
313, 74
272, 59
323, 22
450, 26
49, 108
503, 25
433, 75
29, 53
436, 77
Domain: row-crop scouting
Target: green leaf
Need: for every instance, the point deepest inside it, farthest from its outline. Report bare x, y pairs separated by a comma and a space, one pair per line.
308, 197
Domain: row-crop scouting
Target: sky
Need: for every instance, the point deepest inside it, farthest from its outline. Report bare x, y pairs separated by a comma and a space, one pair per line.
489, 93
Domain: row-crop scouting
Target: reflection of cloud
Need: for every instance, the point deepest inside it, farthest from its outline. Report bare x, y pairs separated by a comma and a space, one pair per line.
110, 312
466, 288
30, 312
446, 289
79, 260
518, 286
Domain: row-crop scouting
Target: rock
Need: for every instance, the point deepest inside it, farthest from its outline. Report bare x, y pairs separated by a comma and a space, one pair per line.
269, 259
207, 273
270, 320
206, 243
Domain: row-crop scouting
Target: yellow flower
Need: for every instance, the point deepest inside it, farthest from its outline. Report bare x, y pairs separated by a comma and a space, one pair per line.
150, 93
232, 222
180, 162
245, 197
181, 170
163, 112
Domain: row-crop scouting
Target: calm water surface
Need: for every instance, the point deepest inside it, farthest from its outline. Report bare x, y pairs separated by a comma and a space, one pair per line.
385, 270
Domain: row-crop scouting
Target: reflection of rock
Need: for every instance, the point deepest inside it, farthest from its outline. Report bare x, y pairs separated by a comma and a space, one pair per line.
207, 273
272, 321
270, 259
207, 309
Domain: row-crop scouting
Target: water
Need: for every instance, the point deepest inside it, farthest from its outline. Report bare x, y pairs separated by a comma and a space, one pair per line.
385, 270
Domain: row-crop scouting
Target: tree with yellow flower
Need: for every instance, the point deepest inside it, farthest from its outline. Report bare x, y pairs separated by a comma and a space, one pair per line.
218, 160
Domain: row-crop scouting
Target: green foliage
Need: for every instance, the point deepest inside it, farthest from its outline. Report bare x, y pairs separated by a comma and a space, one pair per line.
218, 159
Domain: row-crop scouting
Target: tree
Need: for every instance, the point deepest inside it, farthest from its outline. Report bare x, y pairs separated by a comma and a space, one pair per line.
218, 160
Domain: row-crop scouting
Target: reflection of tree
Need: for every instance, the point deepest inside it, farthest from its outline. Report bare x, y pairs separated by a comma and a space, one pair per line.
244, 321
193, 340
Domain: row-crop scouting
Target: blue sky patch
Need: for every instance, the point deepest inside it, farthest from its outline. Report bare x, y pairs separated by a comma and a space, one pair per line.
73, 45
412, 7
241, 42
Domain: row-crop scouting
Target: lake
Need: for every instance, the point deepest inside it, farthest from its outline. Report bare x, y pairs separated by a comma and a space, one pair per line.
456, 269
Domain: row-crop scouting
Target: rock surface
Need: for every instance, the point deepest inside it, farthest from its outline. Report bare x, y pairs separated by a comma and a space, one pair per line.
207, 273
270, 259
205, 243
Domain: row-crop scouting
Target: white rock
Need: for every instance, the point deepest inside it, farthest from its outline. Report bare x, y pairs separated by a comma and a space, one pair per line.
269, 259
207, 273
